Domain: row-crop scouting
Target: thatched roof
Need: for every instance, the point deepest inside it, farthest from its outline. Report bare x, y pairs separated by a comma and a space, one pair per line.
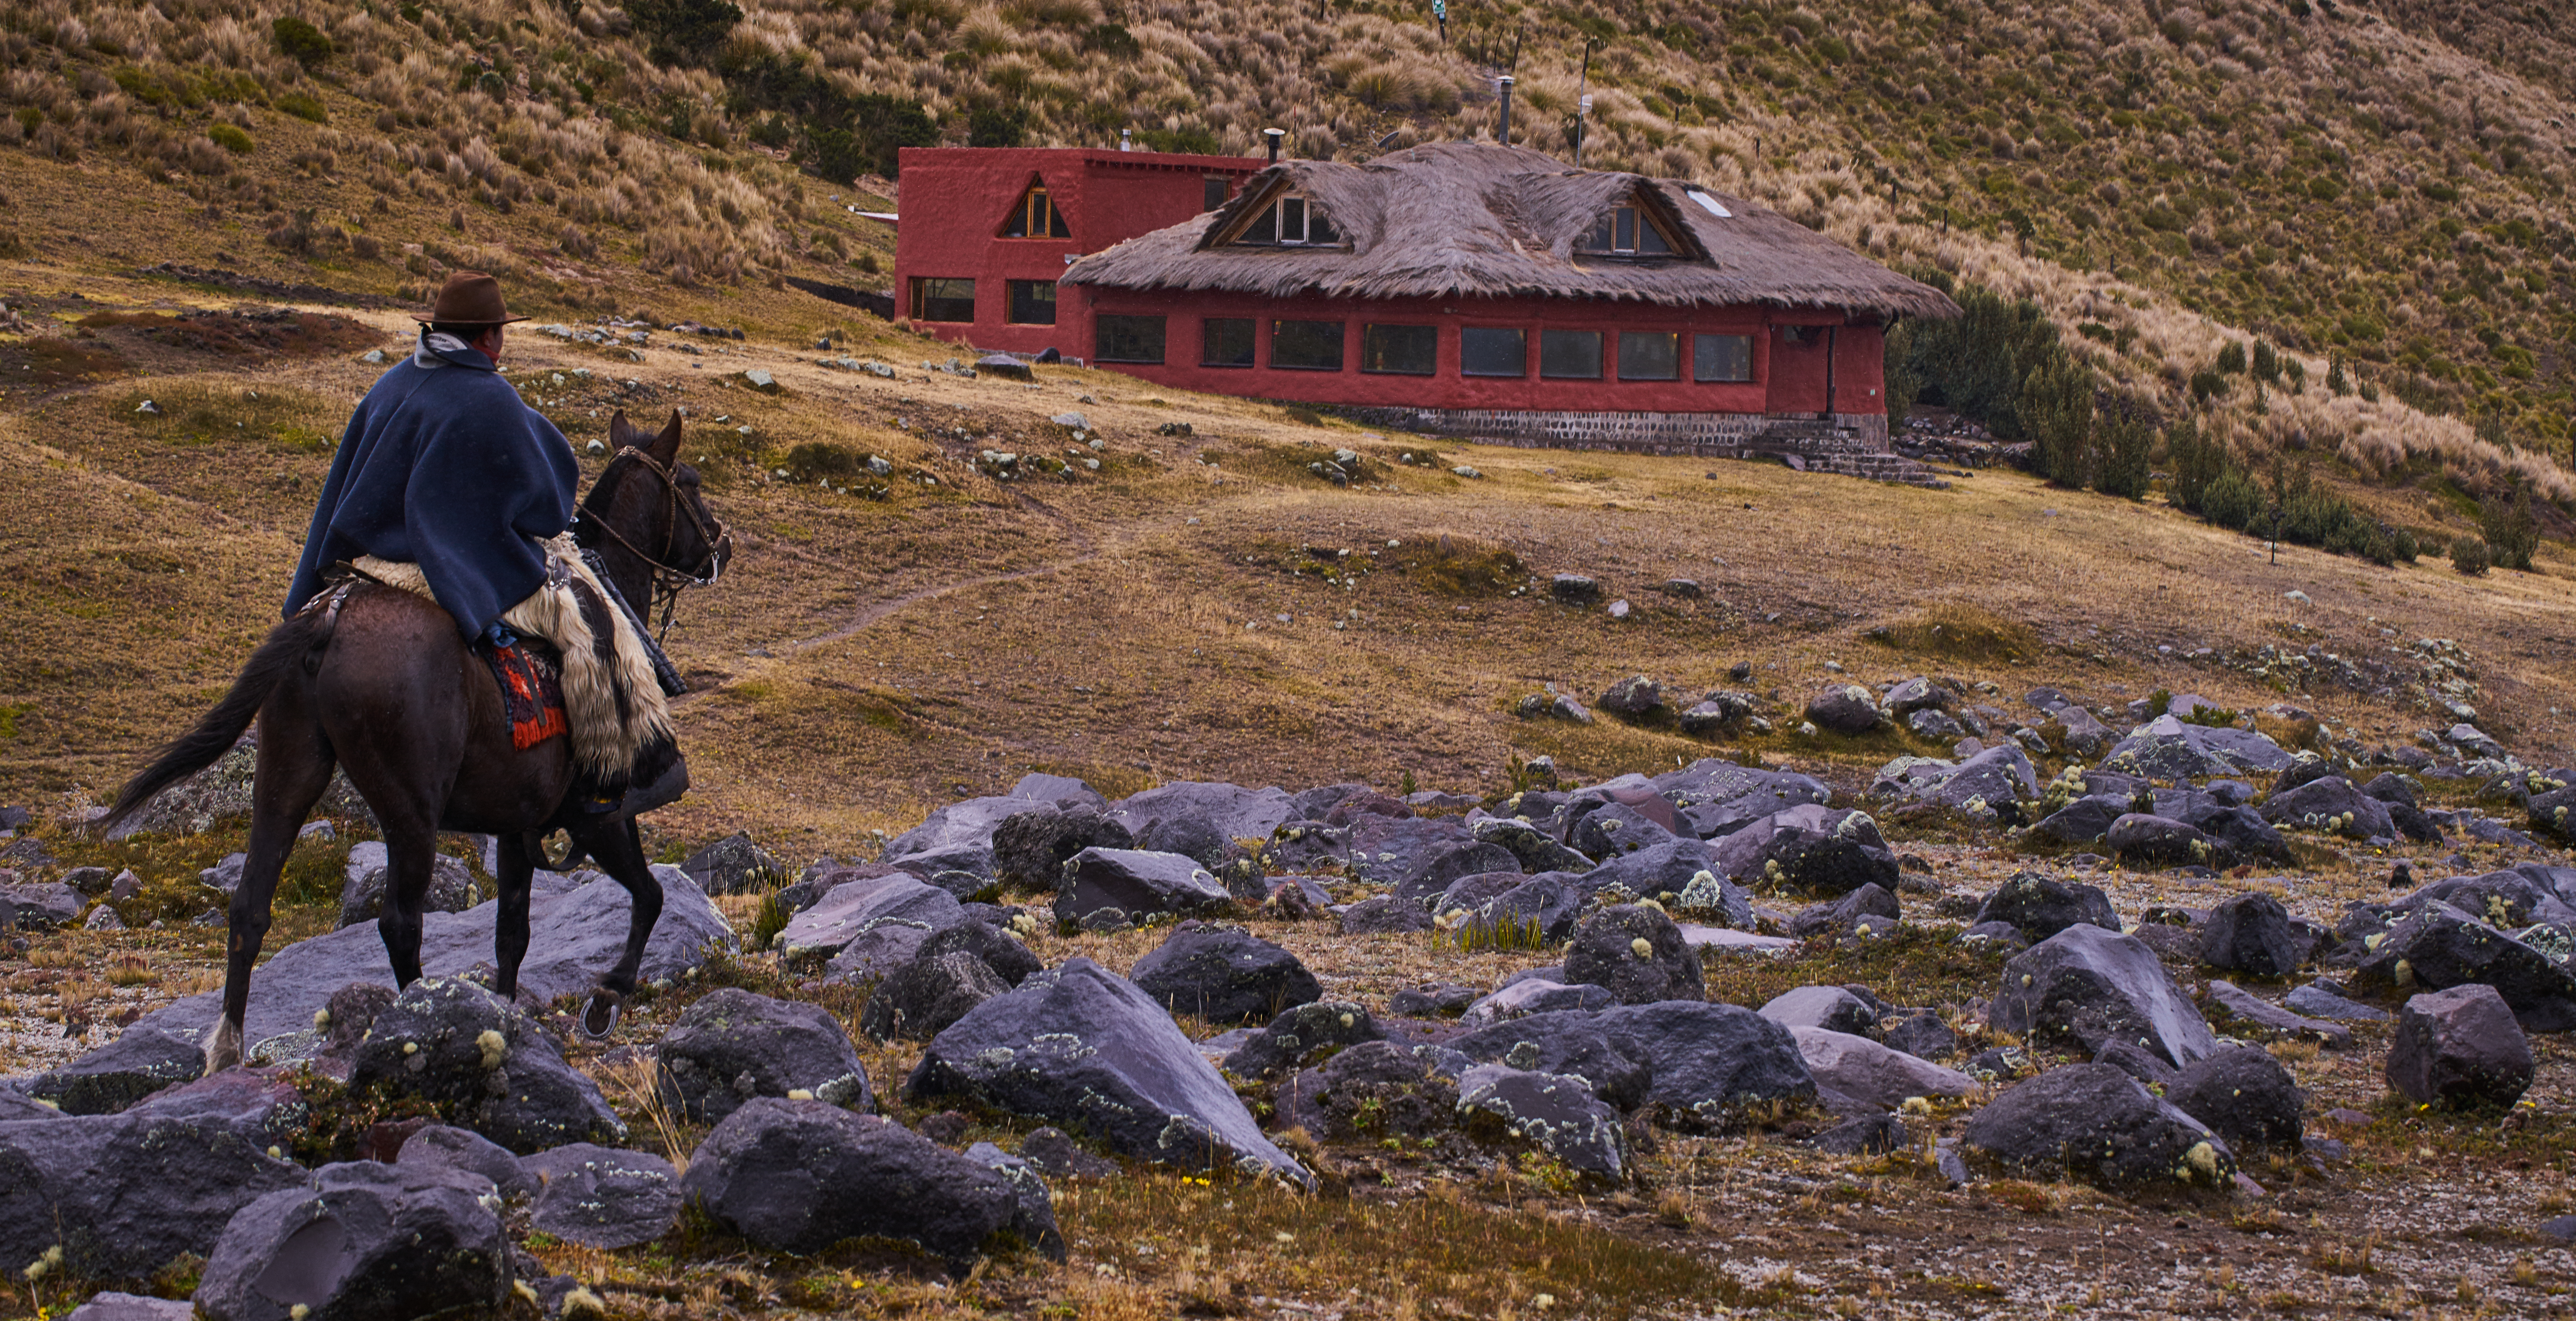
1464, 219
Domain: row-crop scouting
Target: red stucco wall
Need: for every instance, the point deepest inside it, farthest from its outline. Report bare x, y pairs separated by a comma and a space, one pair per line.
1786, 377
955, 201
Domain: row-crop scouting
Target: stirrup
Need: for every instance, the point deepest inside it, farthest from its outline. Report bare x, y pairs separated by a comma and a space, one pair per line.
601, 1013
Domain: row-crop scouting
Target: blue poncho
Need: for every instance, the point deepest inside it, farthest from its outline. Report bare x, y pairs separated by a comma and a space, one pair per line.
445, 467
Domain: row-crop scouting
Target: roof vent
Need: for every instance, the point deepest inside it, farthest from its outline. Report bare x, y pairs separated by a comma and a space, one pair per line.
1274, 135
1710, 204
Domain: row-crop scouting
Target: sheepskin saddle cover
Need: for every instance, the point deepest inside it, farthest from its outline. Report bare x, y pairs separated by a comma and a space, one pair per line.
610, 696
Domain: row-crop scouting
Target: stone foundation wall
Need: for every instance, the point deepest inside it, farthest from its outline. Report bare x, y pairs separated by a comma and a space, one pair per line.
1704, 435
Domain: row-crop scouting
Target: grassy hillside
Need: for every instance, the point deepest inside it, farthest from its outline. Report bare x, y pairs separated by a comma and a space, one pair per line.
2372, 186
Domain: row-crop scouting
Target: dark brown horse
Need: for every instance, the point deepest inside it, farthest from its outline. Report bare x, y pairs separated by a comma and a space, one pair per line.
389, 693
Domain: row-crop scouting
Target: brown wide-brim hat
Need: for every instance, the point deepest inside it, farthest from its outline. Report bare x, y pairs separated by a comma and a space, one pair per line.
469, 298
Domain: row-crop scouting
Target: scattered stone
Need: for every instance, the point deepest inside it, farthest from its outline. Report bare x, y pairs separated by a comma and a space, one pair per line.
733, 1045
2251, 933
1051, 1152
1300, 1032
464, 1149
1833, 1008
2460, 1048
2094, 1121
1838, 915
1844, 708
732, 865
1812, 848
799, 1176
1637, 953
363, 1240
1857, 1076
1871, 1135
2319, 1000
1574, 589
109, 1305
2245, 1096
2040, 907
2250, 1011
362, 894
1224, 975
1106, 889
2096, 986
862, 905
1044, 1050
1554, 1113
1384, 915
1636, 700
1923, 1036
1375, 1089
485, 1065
923, 996
120, 1073
1705, 1062
1031, 848
2438, 946
1445, 1001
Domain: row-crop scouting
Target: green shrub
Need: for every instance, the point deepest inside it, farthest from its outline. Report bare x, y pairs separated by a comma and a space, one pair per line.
2231, 359
2056, 410
2123, 452
231, 139
997, 126
683, 31
2266, 364
2336, 381
1977, 364
2468, 555
870, 132
304, 107
2233, 500
300, 41
2512, 534
2207, 385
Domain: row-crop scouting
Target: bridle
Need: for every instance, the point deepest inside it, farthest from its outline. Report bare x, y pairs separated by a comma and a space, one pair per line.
667, 579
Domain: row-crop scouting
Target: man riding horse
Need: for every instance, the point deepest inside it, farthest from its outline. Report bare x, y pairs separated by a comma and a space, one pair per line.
439, 544
444, 467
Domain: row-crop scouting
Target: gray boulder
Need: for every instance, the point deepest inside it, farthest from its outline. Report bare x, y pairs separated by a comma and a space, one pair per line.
2460, 1048
111, 1305
1300, 1032
123, 1194
1231, 810
2095, 1122
120, 1073
733, 865
1081, 1047
485, 1065
1832, 1008
959, 837
2318, 1001
1106, 889
37, 906
1224, 975
2168, 749
365, 1241
1537, 995
1843, 708
800, 1176
1375, 1089
1034, 1223
2040, 906
2245, 1096
1031, 847
1705, 1062
1533, 849
1552, 1113
1636, 699
601, 1197
446, 1147
1637, 953
861, 905
1574, 1042
1923, 1036
362, 893
1383, 915
2143, 839
733, 1045
1857, 1076
2437, 947
2332, 805
577, 929
1836, 916
2250, 1014
2251, 933
1812, 848
1397, 850
1916, 694
2095, 987
1617, 829
919, 999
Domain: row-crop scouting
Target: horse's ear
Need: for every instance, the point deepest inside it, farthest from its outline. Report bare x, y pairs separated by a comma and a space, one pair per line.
621, 433
666, 447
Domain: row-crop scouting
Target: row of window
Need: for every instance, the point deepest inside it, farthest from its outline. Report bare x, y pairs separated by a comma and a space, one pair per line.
1398, 350
1031, 302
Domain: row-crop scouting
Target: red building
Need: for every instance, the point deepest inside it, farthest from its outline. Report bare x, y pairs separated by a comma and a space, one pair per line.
1457, 289
986, 232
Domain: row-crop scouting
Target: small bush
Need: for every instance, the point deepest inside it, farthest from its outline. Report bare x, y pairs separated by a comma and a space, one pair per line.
304, 107
2233, 501
2207, 385
997, 126
2469, 555
2231, 359
231, 139
2512, 534
300, 41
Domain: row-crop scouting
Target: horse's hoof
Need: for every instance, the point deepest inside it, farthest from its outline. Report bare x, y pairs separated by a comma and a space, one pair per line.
600, 1016
223, 1048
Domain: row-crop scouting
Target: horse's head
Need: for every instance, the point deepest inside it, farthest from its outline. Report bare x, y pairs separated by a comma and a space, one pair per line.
653, 525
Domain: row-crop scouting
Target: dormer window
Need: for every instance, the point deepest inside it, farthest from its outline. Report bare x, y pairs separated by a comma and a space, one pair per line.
1626, 231
1035, 217
1292, 221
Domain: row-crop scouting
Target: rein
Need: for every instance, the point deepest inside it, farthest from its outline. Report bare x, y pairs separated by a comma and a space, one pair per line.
667, 579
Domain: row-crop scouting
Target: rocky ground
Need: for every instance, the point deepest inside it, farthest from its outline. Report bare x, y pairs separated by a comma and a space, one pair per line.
2203, 1024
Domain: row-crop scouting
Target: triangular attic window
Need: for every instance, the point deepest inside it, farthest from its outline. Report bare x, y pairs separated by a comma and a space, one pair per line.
1626, 230
1034, 216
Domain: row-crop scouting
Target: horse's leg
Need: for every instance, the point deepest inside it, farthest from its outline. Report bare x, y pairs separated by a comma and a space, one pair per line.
293, 770
518, 859
619, 850
411, 850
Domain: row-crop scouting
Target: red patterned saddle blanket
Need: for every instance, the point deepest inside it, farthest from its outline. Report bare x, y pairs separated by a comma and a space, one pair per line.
531, 691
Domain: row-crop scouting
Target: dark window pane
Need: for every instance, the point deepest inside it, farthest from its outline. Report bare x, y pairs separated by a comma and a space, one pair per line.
1493, 351
1055, 222
1017, 227
1400, 350
1319, 229
1601, 237
1627, 229
1653, 355
943, 300
1721, 357
1306, 345
1032, 303
1570, 354
1292, 220
1212, 192
1650, 240
1128, 339
1226, 341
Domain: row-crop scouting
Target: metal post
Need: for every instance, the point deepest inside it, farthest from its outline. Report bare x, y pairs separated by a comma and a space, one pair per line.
1505, 82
